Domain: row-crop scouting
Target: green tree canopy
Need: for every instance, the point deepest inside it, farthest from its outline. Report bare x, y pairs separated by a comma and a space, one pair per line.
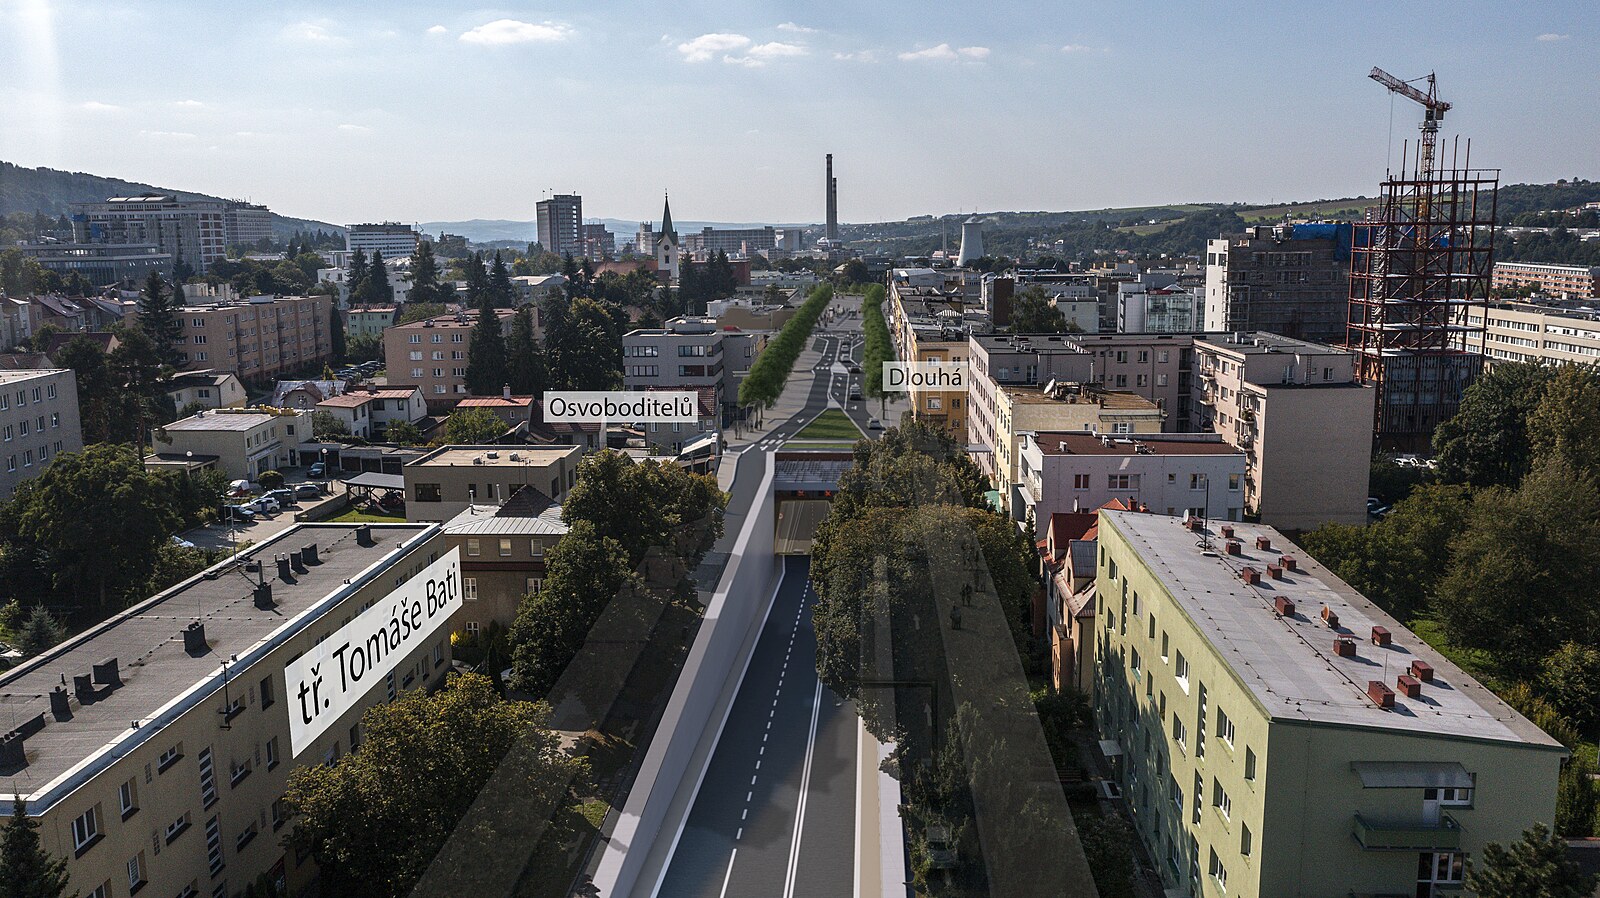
1535, 866
642, 504
26, 869
771, 369
583, 572
583, 344
1032, 312
424, 275
158, 318
375, 820
1486, 443
1565, 424
525, 369
473, 426
486, 357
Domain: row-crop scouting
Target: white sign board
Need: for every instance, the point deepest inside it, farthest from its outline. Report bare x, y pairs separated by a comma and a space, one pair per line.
902, 376
333, 675
630, 406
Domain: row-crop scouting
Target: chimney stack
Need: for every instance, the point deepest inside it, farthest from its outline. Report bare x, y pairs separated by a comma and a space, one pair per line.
832, 187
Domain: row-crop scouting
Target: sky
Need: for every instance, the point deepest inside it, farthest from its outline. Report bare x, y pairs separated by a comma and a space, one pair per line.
344, 111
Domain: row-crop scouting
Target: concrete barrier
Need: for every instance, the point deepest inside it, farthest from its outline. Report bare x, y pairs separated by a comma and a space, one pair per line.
648, 825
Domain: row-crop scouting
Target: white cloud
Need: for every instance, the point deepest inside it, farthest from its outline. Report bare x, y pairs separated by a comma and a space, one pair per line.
1077, 48
945, 53
312, 33
857, 56
706, 46
97, 106
793, 28
511, 31
188, 104
438, 29
1548, 37
169, 135
354, 129
776, 50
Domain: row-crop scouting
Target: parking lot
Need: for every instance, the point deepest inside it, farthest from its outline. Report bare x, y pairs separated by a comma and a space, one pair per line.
222, 535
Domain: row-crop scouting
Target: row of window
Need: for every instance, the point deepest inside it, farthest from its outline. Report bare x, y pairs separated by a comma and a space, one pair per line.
26, 458
40, 394
437, 338
25, 426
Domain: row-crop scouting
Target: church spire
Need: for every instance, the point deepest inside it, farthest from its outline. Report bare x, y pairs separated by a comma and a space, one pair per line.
666, 220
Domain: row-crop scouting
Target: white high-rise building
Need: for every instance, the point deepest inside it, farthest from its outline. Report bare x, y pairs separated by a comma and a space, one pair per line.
394, 240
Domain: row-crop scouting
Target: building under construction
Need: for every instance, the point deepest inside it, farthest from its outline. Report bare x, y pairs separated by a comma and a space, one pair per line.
1419, 260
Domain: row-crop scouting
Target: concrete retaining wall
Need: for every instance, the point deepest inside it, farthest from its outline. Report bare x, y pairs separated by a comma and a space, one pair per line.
647, 828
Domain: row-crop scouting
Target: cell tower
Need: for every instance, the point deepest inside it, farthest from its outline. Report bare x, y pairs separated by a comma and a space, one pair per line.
1419, 278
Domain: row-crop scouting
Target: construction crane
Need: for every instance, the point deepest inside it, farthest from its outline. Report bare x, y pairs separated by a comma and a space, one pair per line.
1433, 110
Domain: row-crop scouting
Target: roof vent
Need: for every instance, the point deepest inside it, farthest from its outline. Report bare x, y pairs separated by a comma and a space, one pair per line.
1284, 606
1410, 686
194, 638
1233, 547
297, 562
309, 553
1381, 695
284, 573
263, 596
1380, 636
60, 702
1331, 616
1250, 575
1288, 562
105, 673
1227, 531
1344, 647
1275, 572
364, 535
1263, 543
83, 687
1422, 670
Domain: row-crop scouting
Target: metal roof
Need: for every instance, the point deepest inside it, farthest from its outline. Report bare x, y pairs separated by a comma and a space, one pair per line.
1412, 775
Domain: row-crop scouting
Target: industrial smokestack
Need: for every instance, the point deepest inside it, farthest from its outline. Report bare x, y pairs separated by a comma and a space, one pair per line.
971, 242
832, 187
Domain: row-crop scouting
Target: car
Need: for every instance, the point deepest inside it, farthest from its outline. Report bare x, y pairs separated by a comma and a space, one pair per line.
873, 424
317, 471
265, 505
854, 368
308, 491
284, 497
242, 488
941, 850
237, 514
181, 543
855, 392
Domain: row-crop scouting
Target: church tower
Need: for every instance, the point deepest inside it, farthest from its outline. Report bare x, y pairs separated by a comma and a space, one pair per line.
667, 244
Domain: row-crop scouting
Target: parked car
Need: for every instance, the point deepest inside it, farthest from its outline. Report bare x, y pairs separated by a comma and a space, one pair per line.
181, 543
241, 488
874, 425
237, 514
317, 471
941, 851
855, 392
284, 497
308, 491
265, 505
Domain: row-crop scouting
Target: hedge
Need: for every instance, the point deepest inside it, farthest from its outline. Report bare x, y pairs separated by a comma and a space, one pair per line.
765, 381
876, 345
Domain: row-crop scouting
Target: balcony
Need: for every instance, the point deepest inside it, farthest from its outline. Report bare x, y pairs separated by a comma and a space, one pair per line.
1408, 835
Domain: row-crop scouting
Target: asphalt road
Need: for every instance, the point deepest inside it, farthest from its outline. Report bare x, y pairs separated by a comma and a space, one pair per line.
775, 816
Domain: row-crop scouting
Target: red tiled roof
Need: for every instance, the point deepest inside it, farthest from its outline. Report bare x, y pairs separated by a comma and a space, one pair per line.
495, 402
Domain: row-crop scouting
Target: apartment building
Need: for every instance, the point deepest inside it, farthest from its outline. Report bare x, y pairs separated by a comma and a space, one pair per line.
161, 769
1060, 408
394, 240
244, 224
1543, 331
433, 353
240, 442
560, 224
260, 338
38, 421
1290, 279
206, 389
691, 353
503, 550
1173, 474
367, 413
1171, 310
1302, 420
370, 321
102, 264
934, 324
1561, 281
450, 479
1274, 733
192, 230
733, 241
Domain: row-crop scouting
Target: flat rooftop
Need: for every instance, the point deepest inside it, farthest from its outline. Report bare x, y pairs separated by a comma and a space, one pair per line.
1077, 443
1257, 342
1288, 662
1111, 399
12, 376
227, 420
147, 642
503, 456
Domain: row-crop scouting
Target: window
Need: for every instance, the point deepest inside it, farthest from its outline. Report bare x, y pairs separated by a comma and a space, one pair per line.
239, 771
1180, 734
103, 890
416, 356
128, 797
169, 757
1122, 481
1233, 482
280, 814
429, 492
86, 829
1224, 727
474, 547
1246, 843
1080, 481
1249, 765
456, 338
1218, 872
505, 547
1220, 800
50, 390
272, 752
536, 548
1164, 641
176, 828
214, 844
208, 779
473, 628
437, 654
1182, 673
1177, 795
414, 338
1197, 481
1134, 655
266, 693
1455, 798
135, 871
469, 588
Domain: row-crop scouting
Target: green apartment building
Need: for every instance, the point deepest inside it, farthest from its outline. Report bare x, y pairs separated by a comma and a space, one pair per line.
1276, 734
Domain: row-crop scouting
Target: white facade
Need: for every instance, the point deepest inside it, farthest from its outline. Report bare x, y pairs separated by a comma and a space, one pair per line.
392, 239
1166, 473
38, 421
1141, 310
245, 442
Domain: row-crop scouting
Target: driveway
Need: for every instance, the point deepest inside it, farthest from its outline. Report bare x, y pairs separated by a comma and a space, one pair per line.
223, 536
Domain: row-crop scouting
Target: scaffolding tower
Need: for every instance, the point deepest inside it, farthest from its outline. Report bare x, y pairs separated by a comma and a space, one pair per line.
1420, 266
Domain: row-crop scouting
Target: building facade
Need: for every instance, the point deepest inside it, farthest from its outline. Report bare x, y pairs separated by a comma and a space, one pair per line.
432, 354
1274, 733
38, 421
102, 264
1302, 420
206, 389
450, 479
1060, 408
394, 240
260, 338
690, 353
192, 230
1172, 474
245, 224
503, 549
733, 241
367, 413
188, 798
1537, 332
243, 441
1560, 281
560, 224
1173, 310
1288, 279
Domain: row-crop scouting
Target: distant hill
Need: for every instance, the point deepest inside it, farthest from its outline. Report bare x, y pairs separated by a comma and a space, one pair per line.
52, 192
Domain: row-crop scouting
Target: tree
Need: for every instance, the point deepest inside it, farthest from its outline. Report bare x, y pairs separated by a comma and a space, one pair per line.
336, 331
502, 293
582, 574
424, 275
1565, 423
324, 426
771, 369
525, 370
271, 480
419, 311
98, 517
583, 345
402, 433
375, 820
137, 367
40, 632
158, 319
1570, 681
1032, 312
472, 427
477, 279
356, 275
642, 505
374, 289
26, 869
96, 401
486, 359
1535, 866
1486, 443
1521, 577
